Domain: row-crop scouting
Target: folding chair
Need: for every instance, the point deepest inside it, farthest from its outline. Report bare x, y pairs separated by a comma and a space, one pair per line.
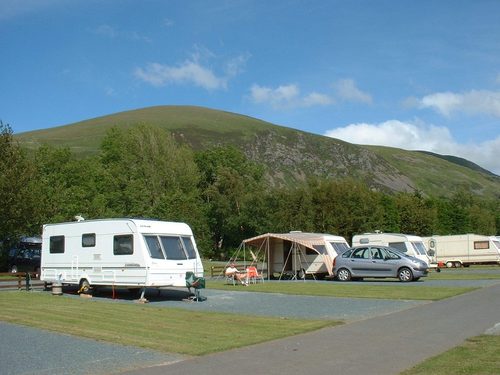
196, 283
253, 275
230, 279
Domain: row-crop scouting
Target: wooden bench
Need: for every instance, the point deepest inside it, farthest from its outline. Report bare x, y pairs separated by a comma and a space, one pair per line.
218, 271
22, 278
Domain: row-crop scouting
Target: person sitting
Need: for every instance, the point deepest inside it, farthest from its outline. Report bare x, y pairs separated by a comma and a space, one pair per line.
236, 274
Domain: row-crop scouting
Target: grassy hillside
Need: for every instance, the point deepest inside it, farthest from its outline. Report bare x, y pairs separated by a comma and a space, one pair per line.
291, 156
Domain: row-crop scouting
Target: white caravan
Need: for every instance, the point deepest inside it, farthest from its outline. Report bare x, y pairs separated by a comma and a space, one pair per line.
406, 243
464, 249
128, 253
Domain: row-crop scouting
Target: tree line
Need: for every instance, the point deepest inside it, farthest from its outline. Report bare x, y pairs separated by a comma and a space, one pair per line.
143, 172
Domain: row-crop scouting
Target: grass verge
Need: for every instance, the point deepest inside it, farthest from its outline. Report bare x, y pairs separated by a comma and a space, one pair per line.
457, 275
478, 355
163, 329
335, 289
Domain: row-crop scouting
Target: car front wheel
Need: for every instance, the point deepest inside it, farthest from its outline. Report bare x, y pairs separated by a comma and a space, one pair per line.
405, 274
343, 274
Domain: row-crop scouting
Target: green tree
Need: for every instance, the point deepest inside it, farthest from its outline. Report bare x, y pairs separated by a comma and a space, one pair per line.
345, 207
232, 189
147, 174
16, 181
66, 186
417, 214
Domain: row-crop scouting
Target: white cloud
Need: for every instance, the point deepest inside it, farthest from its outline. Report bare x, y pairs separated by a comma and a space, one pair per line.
419, 136
346, 89
192, 71
189, 72
472, 102
167, 22
112, 33
287, 96
14, 8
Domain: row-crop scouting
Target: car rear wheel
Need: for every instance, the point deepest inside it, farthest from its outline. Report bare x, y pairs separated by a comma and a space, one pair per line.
344, 274
405, 274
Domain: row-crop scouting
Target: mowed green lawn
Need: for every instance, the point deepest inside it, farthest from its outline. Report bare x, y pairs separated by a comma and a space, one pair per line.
392, 290
163, 329
477, 355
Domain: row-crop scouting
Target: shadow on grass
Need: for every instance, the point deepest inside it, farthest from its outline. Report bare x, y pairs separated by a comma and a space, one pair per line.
152, 294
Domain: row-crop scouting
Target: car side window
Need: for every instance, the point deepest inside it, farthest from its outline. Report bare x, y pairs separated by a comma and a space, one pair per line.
347, 254
361, 253
383, 253
392, 255
376, 253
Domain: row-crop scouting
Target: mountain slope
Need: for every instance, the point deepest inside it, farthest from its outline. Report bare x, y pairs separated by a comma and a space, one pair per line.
291, 156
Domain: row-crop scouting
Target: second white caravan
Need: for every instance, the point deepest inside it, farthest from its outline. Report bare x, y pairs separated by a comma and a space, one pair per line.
406, 243
128, 253
464, 249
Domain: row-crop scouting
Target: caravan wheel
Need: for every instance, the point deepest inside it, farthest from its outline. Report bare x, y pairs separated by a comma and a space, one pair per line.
84, 286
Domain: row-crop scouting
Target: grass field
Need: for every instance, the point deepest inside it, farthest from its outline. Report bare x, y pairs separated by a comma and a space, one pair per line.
336, 289
478, 355
163, 329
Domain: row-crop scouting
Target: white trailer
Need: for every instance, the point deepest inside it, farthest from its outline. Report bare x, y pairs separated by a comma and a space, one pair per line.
406, 243
464, 249
129, 253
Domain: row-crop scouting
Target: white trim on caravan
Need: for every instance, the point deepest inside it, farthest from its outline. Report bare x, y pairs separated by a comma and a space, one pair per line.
464, 249
129, 253
406, 243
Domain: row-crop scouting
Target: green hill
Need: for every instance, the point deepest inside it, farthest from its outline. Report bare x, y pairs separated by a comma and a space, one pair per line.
291, 156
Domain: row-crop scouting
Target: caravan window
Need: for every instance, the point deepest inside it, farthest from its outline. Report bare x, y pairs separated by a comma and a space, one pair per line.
56, 244
419, 247
188, 245
319, 248
154, 247
339, 247
478, 245
88, 240
173, 247
123, 244
401, 246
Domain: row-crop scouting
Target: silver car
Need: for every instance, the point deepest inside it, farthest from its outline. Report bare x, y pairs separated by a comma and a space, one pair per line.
378, 261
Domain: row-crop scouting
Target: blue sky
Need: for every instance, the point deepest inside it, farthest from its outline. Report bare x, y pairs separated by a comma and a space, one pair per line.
411, 74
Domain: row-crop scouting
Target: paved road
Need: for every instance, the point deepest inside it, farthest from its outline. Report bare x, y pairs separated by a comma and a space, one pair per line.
386, 344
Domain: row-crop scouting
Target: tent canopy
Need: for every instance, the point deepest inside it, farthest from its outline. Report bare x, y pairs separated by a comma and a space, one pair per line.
313, 241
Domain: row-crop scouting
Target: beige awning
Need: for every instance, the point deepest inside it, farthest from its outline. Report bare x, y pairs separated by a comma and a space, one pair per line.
308, 240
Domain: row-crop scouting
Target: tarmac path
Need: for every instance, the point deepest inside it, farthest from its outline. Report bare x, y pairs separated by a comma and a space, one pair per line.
386, 344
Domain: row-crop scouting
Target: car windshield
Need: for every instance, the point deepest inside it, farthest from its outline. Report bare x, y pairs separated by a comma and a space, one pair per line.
419, 247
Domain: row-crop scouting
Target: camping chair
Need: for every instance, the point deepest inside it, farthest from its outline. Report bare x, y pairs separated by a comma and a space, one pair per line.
196, 283
230, 279
253, 275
